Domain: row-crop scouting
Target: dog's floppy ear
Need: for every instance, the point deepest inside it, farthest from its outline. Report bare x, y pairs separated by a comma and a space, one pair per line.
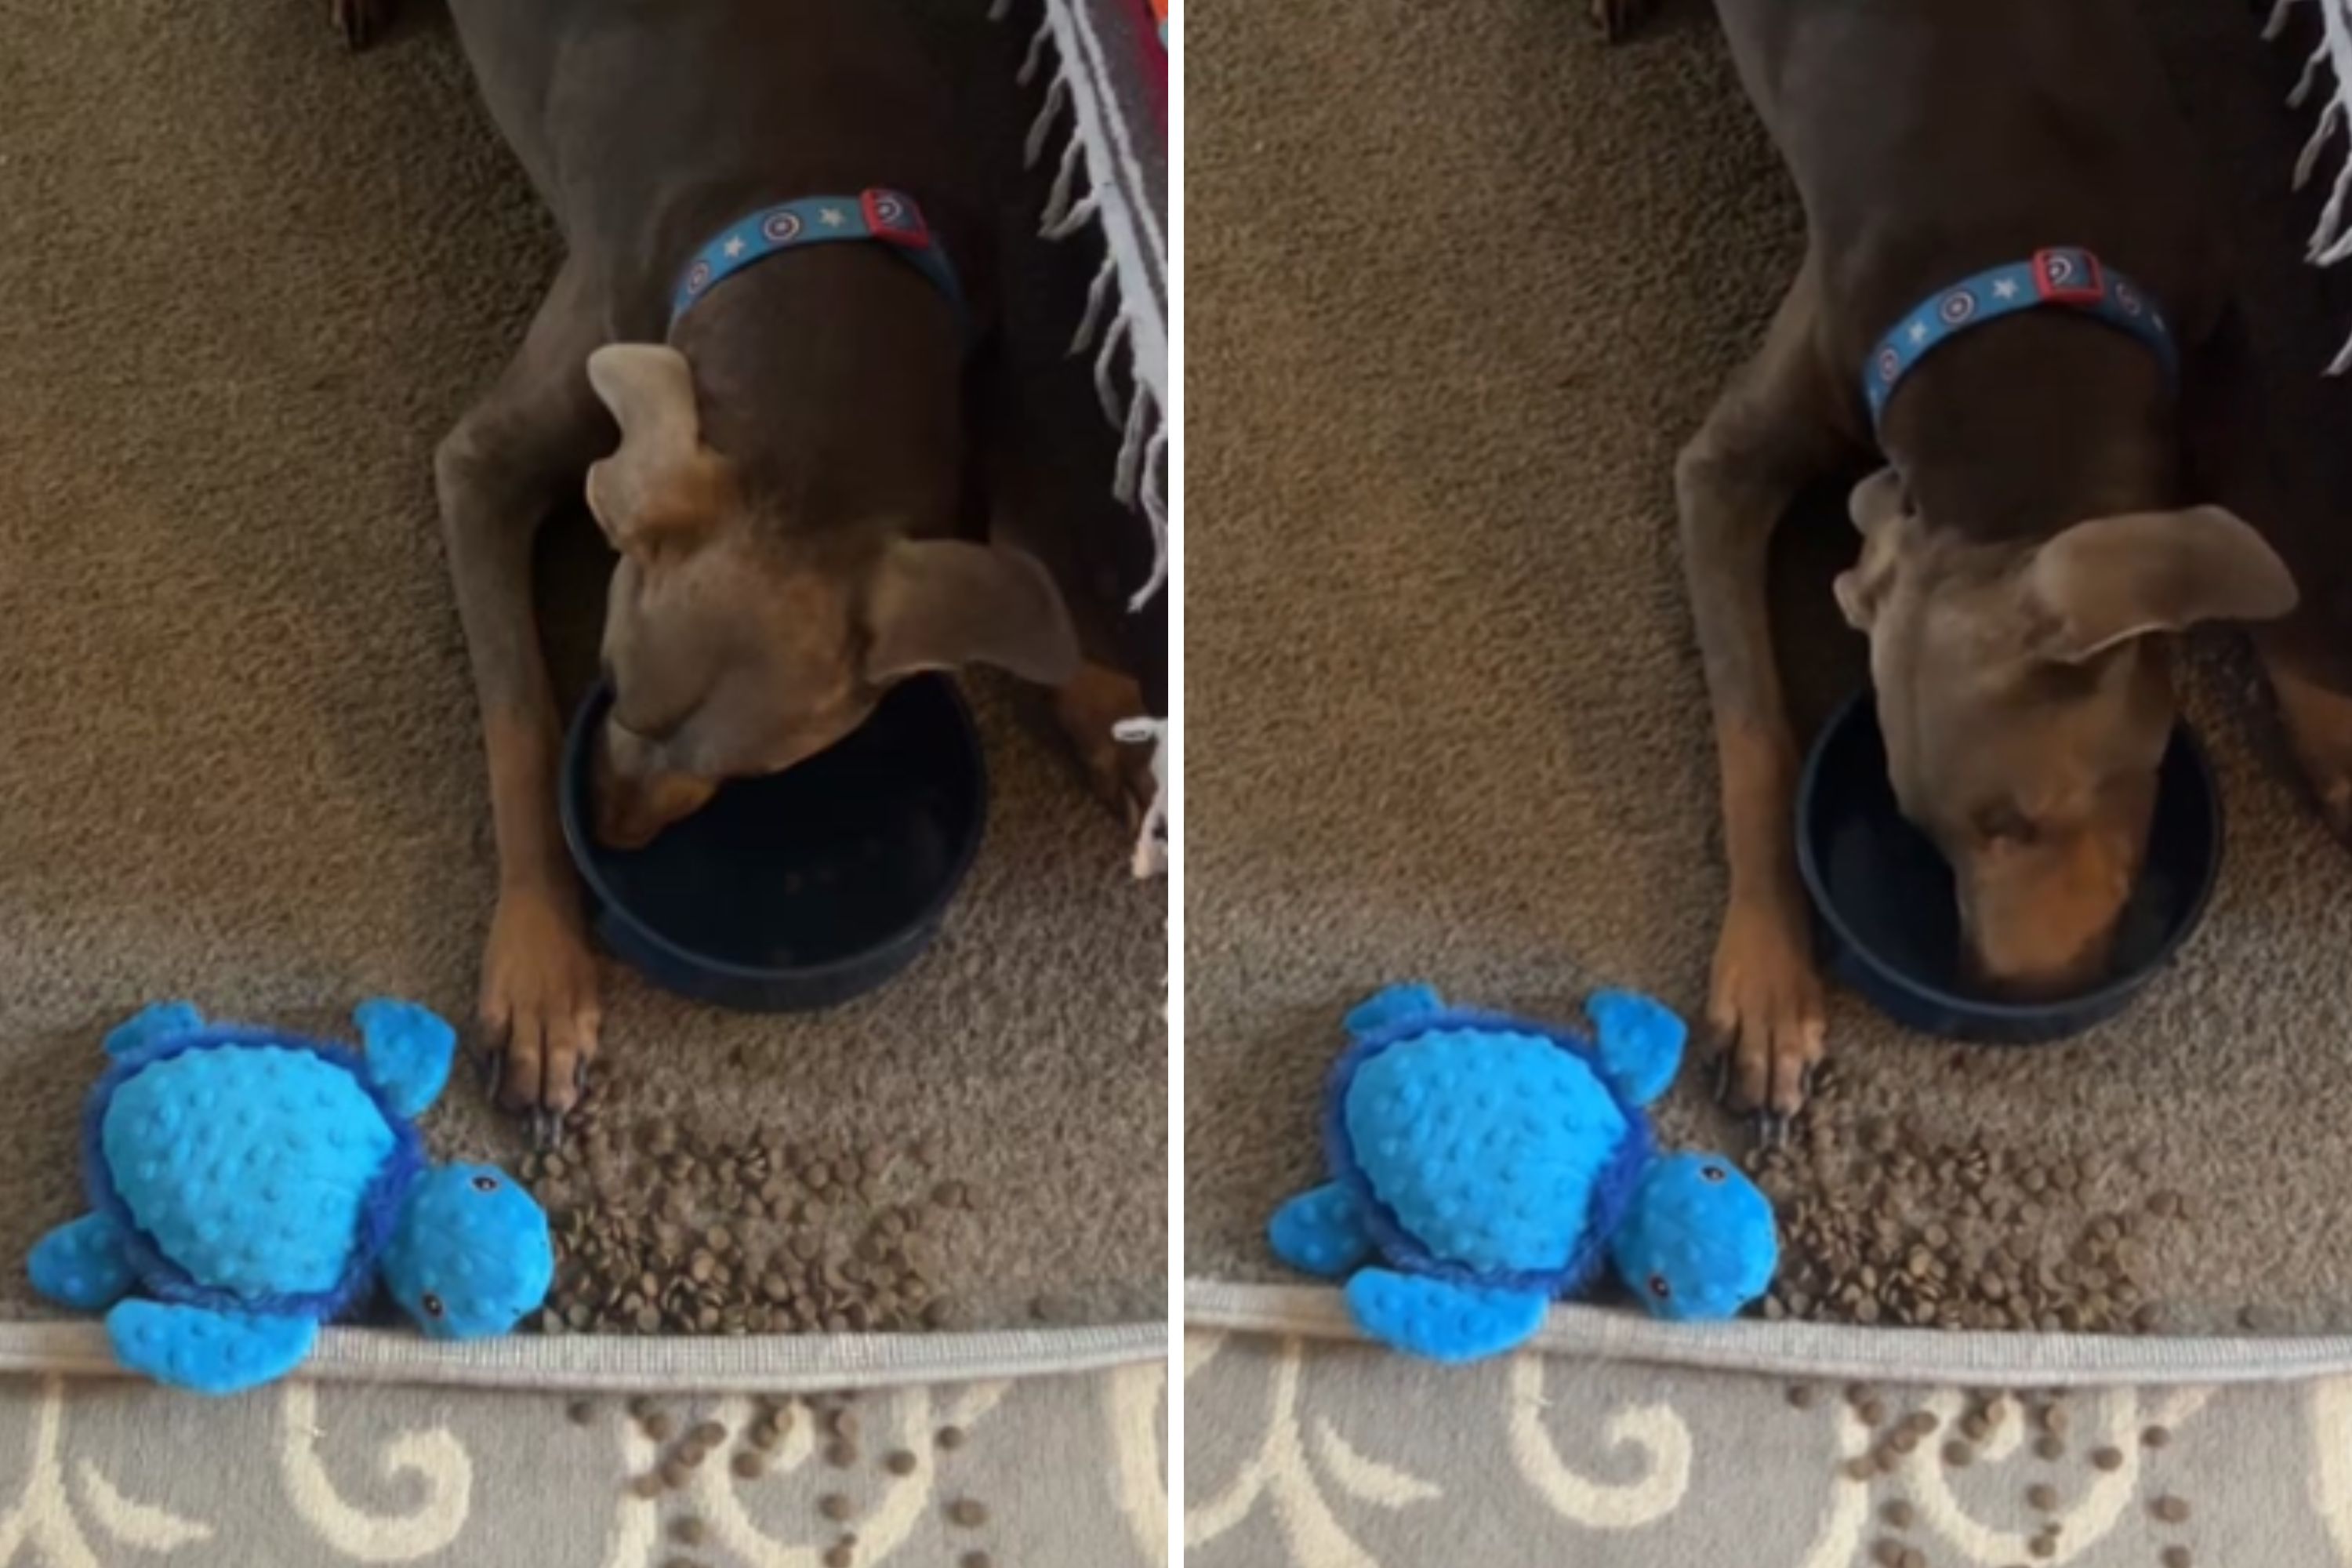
1877, 501
1881, 511
2112, 579
662, 485
937, 604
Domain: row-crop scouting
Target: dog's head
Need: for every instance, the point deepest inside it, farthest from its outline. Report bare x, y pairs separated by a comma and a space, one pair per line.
2026, 700
737, 647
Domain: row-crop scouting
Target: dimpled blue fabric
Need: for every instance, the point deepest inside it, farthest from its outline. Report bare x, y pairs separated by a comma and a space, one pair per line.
471, 1256
248, 1166
1321, 1231
1486, 1145
212, 1352
1442, 1320
85, 1265
1700, 1241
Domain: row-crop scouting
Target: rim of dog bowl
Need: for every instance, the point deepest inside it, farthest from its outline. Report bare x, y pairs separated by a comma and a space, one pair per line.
2114, 991
583, 849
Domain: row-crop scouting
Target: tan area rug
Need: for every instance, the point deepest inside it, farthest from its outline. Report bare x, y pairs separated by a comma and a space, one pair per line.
250, 280
1462, 280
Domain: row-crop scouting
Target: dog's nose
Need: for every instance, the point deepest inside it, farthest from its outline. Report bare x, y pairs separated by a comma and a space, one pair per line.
634, 803
622, 819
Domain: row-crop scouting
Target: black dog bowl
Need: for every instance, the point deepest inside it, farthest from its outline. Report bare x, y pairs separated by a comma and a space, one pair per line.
803, 889
1886, 918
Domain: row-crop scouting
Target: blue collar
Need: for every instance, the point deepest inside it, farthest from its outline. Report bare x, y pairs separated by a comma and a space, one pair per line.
2068, 277
878, 217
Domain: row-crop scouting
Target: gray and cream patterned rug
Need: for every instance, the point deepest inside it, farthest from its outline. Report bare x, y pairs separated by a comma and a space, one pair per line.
1305, 1454
1054, 1471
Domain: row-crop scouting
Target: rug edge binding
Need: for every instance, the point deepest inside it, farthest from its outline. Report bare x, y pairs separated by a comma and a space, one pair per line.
590, 1362
1819, 1350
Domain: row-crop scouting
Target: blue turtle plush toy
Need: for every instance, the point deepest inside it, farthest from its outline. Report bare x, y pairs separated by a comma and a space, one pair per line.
247, 1185
1483, 1166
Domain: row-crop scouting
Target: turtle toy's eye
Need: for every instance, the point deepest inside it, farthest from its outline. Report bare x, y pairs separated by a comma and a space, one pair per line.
486, 1184
1659, 1288
432, 1305
1711, 1173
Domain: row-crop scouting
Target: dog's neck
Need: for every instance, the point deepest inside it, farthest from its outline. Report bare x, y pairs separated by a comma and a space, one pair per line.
2027, 425
832, 379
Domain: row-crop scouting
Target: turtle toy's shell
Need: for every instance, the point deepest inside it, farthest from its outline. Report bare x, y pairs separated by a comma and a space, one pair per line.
253, 1170
1485, 1150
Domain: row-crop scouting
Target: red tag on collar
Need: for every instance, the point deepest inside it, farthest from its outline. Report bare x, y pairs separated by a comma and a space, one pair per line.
894, 219
2051, 279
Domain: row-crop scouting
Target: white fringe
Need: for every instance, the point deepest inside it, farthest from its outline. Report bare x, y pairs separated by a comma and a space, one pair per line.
2331, 238
1038, 42
1155, 513
1127, 477
1105, 382
1041, 130
1140, 478
1098, 296
2306, 162
1057, 221
2309, 79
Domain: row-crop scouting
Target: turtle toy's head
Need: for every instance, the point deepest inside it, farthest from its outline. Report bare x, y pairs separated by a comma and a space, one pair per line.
1699, 1241
472, 1254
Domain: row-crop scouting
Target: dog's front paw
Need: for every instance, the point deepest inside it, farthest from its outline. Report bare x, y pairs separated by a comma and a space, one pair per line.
539, 1010
1089, 709
361, 21
1616, 18
1765, 1009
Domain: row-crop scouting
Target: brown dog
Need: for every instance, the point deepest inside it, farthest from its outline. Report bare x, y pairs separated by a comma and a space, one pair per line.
781, 469
2037, 530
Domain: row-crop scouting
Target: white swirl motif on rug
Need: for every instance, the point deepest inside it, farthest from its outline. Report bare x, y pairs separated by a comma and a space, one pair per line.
1135, 1405
433, 1455
42, 1516
2330, 1415
1281, 1475
1662, 1434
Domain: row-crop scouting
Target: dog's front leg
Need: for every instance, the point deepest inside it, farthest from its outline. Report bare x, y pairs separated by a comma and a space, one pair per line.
1774, 429
2241, 450
498, 472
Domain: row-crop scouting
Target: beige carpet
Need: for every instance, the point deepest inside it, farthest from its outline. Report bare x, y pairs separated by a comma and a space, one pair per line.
1461, 281
246, 282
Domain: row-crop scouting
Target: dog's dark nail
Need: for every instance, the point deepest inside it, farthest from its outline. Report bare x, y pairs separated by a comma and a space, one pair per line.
1771, 1129
491, 1062
1805, 1082
1722, 1077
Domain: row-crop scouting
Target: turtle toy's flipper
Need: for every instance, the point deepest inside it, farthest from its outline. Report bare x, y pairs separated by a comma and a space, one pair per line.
157, 1021
409, 1050
83, 1264
1440, 1320
1637, 1044
1391, 1006
1320, 1232
211, 1353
